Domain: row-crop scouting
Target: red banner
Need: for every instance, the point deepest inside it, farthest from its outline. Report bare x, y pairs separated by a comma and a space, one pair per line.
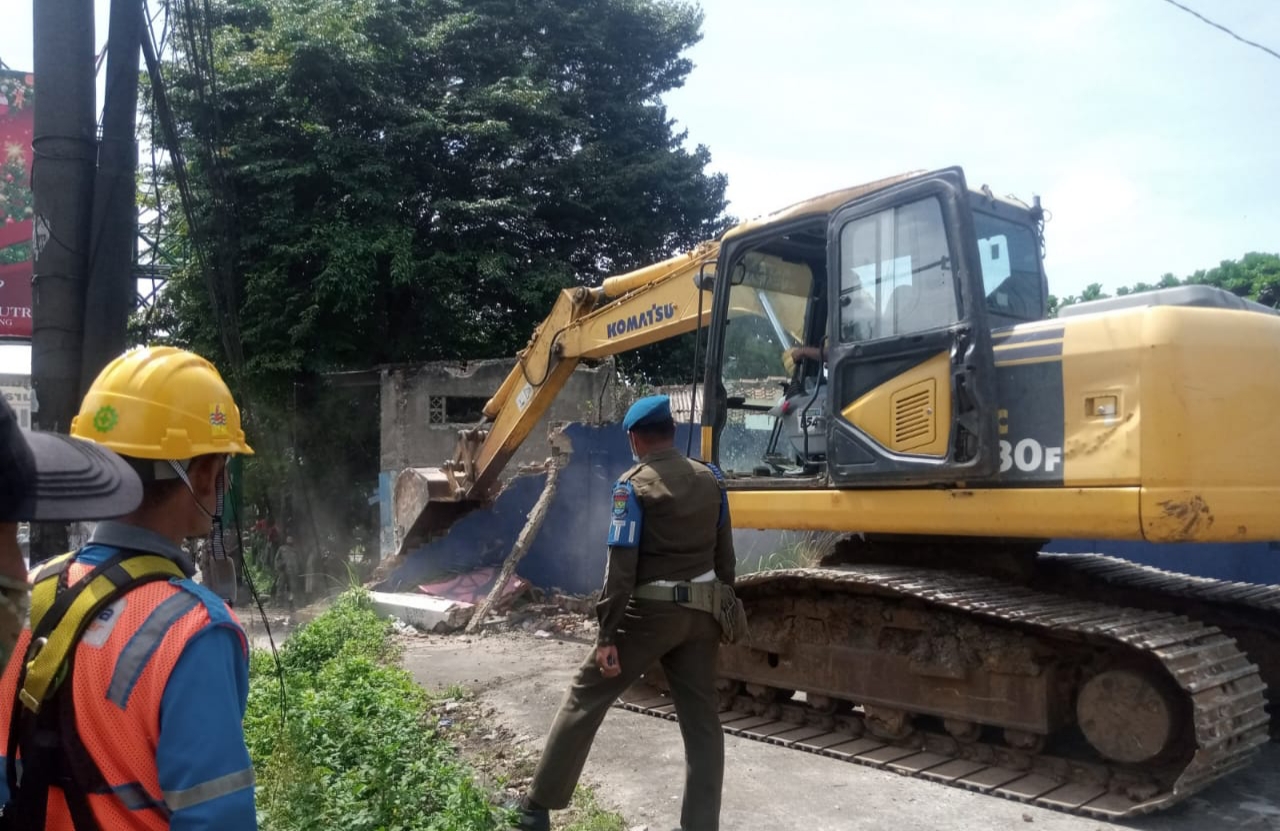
16, 121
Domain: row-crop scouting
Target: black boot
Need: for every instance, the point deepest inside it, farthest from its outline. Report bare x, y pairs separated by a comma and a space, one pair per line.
530, 816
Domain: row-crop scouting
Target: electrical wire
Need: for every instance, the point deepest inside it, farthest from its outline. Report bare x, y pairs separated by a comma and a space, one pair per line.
113, 89
1273, 53
196, 45
262, 612
151, 48
229, 326
38, 156
301, 478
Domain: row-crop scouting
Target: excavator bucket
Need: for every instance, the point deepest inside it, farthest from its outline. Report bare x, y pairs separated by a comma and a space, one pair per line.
427, 502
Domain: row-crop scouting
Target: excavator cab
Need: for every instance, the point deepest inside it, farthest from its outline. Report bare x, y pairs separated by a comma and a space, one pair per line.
899, 290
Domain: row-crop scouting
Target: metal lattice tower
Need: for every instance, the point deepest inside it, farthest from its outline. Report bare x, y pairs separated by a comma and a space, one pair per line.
158, 209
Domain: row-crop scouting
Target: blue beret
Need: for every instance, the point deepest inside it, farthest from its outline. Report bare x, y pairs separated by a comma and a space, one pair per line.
652, 409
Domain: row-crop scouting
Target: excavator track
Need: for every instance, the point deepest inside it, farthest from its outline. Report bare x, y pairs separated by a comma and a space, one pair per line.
1248, 612
1196, 679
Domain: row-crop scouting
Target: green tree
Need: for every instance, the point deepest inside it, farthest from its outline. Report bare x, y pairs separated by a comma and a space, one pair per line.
1093, 291
396, 181
378, 181
1255, 276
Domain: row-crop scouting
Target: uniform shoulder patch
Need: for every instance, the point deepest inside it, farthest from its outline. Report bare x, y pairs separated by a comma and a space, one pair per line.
627, 516
621, 493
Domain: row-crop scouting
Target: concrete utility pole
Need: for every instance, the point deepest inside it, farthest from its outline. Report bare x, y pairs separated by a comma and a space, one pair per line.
113, 236
62, 182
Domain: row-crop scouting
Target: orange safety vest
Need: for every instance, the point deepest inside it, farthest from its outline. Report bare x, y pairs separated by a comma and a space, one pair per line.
121, 666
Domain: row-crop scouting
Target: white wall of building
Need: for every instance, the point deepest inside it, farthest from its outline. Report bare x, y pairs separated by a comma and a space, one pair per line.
16, 389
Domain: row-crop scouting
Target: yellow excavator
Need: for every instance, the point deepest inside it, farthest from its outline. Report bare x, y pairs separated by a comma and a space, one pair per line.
939, 420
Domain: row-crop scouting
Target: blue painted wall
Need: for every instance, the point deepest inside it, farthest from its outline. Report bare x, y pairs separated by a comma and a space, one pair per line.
569, 552
387, 536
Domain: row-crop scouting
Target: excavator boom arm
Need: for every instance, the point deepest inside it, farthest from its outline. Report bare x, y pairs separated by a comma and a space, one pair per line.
627, 312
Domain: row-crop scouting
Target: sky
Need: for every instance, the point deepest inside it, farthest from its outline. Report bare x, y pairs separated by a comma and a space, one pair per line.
1152, 139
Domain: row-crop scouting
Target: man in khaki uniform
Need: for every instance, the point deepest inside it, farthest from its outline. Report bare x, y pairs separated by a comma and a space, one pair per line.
670, 540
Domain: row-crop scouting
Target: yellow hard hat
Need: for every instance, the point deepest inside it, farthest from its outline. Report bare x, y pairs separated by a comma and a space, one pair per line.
160, 403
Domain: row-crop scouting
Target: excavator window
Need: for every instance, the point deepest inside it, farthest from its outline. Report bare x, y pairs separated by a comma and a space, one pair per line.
1010, 258
890, 303
898, 279
897, 276
775, 304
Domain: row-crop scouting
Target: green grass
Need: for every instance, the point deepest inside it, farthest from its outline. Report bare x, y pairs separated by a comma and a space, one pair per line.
797, 550
357, 751
585, 814
455, 692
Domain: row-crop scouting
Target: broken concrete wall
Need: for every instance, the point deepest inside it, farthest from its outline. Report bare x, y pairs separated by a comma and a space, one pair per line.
424, 406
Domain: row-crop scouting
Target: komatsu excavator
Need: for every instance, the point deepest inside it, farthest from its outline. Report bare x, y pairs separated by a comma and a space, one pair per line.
948, 428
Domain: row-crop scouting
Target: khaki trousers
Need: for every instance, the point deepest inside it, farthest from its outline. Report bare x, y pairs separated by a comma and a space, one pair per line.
686, 642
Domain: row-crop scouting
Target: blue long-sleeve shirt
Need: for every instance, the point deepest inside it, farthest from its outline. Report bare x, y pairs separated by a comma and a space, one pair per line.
201, 749
203, 764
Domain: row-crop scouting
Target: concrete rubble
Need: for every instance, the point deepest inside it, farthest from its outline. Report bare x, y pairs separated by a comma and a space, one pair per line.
531, 611
429, 614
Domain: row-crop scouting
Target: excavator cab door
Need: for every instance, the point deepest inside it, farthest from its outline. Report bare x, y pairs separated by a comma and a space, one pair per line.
911, 374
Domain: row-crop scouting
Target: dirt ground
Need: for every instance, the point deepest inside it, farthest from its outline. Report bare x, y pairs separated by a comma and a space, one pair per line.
518, 678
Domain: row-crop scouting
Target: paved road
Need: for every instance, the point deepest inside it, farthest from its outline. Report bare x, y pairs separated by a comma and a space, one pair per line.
637, 763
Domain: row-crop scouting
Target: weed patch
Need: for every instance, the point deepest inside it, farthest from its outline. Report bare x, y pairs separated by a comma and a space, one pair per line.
796, 550
357, 750
585, 814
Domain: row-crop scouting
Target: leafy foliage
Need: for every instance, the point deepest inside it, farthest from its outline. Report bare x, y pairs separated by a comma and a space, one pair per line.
356, 752
1255, 276
348, 627
385, 181
414, 180
586, 814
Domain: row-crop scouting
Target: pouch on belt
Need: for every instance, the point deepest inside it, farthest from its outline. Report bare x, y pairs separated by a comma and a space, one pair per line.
715, 598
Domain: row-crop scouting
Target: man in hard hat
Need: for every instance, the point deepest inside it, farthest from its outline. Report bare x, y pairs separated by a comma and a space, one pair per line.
670, 540
127, 712
49, 478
